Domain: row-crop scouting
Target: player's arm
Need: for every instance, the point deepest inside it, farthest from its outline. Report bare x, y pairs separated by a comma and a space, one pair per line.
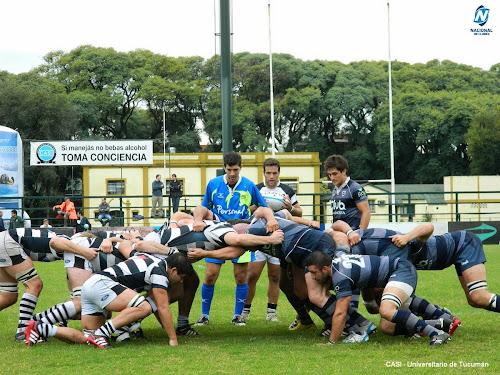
201, 213
62, 244
421, 233
235, 239
339, 317
268, 214
152, 247
108, 243
164, 315
226, 253
342, 226
364, 208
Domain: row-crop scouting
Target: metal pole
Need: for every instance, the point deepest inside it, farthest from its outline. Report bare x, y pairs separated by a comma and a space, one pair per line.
164, 158
271, 89
391, 128
225, 70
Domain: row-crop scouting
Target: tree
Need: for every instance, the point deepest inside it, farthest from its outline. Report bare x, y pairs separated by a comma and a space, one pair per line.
483, 138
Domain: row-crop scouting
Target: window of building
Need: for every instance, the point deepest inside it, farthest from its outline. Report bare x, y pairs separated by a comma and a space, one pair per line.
372, 204
115, 187
293, 182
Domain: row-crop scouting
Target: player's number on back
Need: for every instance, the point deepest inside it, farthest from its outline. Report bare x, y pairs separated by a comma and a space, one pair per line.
349, 260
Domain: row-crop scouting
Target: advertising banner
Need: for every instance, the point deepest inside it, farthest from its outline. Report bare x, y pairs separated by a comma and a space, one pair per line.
129, 152
11, 168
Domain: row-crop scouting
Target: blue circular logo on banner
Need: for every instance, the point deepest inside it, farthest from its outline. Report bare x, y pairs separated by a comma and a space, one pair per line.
46, 153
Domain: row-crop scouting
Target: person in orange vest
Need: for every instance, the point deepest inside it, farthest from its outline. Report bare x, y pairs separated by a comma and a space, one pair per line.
67, 210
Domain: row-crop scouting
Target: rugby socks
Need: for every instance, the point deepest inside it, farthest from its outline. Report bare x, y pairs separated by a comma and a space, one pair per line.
271, 308
246, 309
300, 308
26, 308
240, 298
426, 310
494, 303
182, 322
57, 313
207, 294
46, 330
106, 330
412, 323
326, 312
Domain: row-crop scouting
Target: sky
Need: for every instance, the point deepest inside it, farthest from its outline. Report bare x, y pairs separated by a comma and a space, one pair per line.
309, 29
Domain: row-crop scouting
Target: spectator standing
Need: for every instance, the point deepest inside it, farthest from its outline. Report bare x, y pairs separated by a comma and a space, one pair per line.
15, 221
157, 197
67, 210
104, 212
175, 193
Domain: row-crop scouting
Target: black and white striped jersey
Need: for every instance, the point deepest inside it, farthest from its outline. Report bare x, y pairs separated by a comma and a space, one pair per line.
35, 243
184, 238
102, 260
140, 272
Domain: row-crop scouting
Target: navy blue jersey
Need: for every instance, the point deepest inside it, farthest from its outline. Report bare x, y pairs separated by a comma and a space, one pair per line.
462, 248
377, 241
351, 272
344, 200
299, 242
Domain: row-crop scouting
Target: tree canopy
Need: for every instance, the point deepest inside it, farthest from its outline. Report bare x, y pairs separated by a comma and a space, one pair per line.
445, 114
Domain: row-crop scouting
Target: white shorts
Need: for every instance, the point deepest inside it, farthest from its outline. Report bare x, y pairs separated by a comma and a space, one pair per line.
153, 237
77, 261
98, 292
263, 257
11, 253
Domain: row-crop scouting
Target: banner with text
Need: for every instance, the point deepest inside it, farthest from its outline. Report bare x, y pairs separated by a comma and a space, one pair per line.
129, 152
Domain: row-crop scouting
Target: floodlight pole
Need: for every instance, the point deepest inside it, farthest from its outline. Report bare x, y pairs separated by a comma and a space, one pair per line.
225, 70
271, 89
391, 128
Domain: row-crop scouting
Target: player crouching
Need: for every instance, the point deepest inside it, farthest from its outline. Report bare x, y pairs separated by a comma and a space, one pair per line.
114, 290
398, 277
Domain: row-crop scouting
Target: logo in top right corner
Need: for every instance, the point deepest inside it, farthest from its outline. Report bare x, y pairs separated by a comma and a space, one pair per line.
481, 16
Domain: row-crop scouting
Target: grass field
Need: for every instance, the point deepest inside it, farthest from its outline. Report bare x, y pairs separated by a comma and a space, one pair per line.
261, 347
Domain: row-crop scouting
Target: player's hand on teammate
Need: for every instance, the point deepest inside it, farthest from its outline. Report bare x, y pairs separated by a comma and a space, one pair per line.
353, 238
90, 254
399, 240
314, 224
195, 254
106, 246
272, 225
277, 237
198, 226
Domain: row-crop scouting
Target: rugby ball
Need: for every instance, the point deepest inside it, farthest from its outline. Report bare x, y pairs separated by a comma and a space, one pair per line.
274, 201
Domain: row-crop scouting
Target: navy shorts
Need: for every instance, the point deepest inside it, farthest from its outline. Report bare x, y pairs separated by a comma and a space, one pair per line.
469, 253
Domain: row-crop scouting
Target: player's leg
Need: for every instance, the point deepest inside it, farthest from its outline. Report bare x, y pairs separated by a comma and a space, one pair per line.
273, 289
240, 271
397, 319
26, 274
254, 271
212, 272
302, 320
69, 309
8, 288
474, 284
190, 285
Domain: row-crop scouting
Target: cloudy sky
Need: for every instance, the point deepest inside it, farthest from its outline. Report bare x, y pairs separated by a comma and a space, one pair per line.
309, 29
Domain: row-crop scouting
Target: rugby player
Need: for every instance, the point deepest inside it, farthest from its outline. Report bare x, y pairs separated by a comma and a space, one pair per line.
116, 289
348, 272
